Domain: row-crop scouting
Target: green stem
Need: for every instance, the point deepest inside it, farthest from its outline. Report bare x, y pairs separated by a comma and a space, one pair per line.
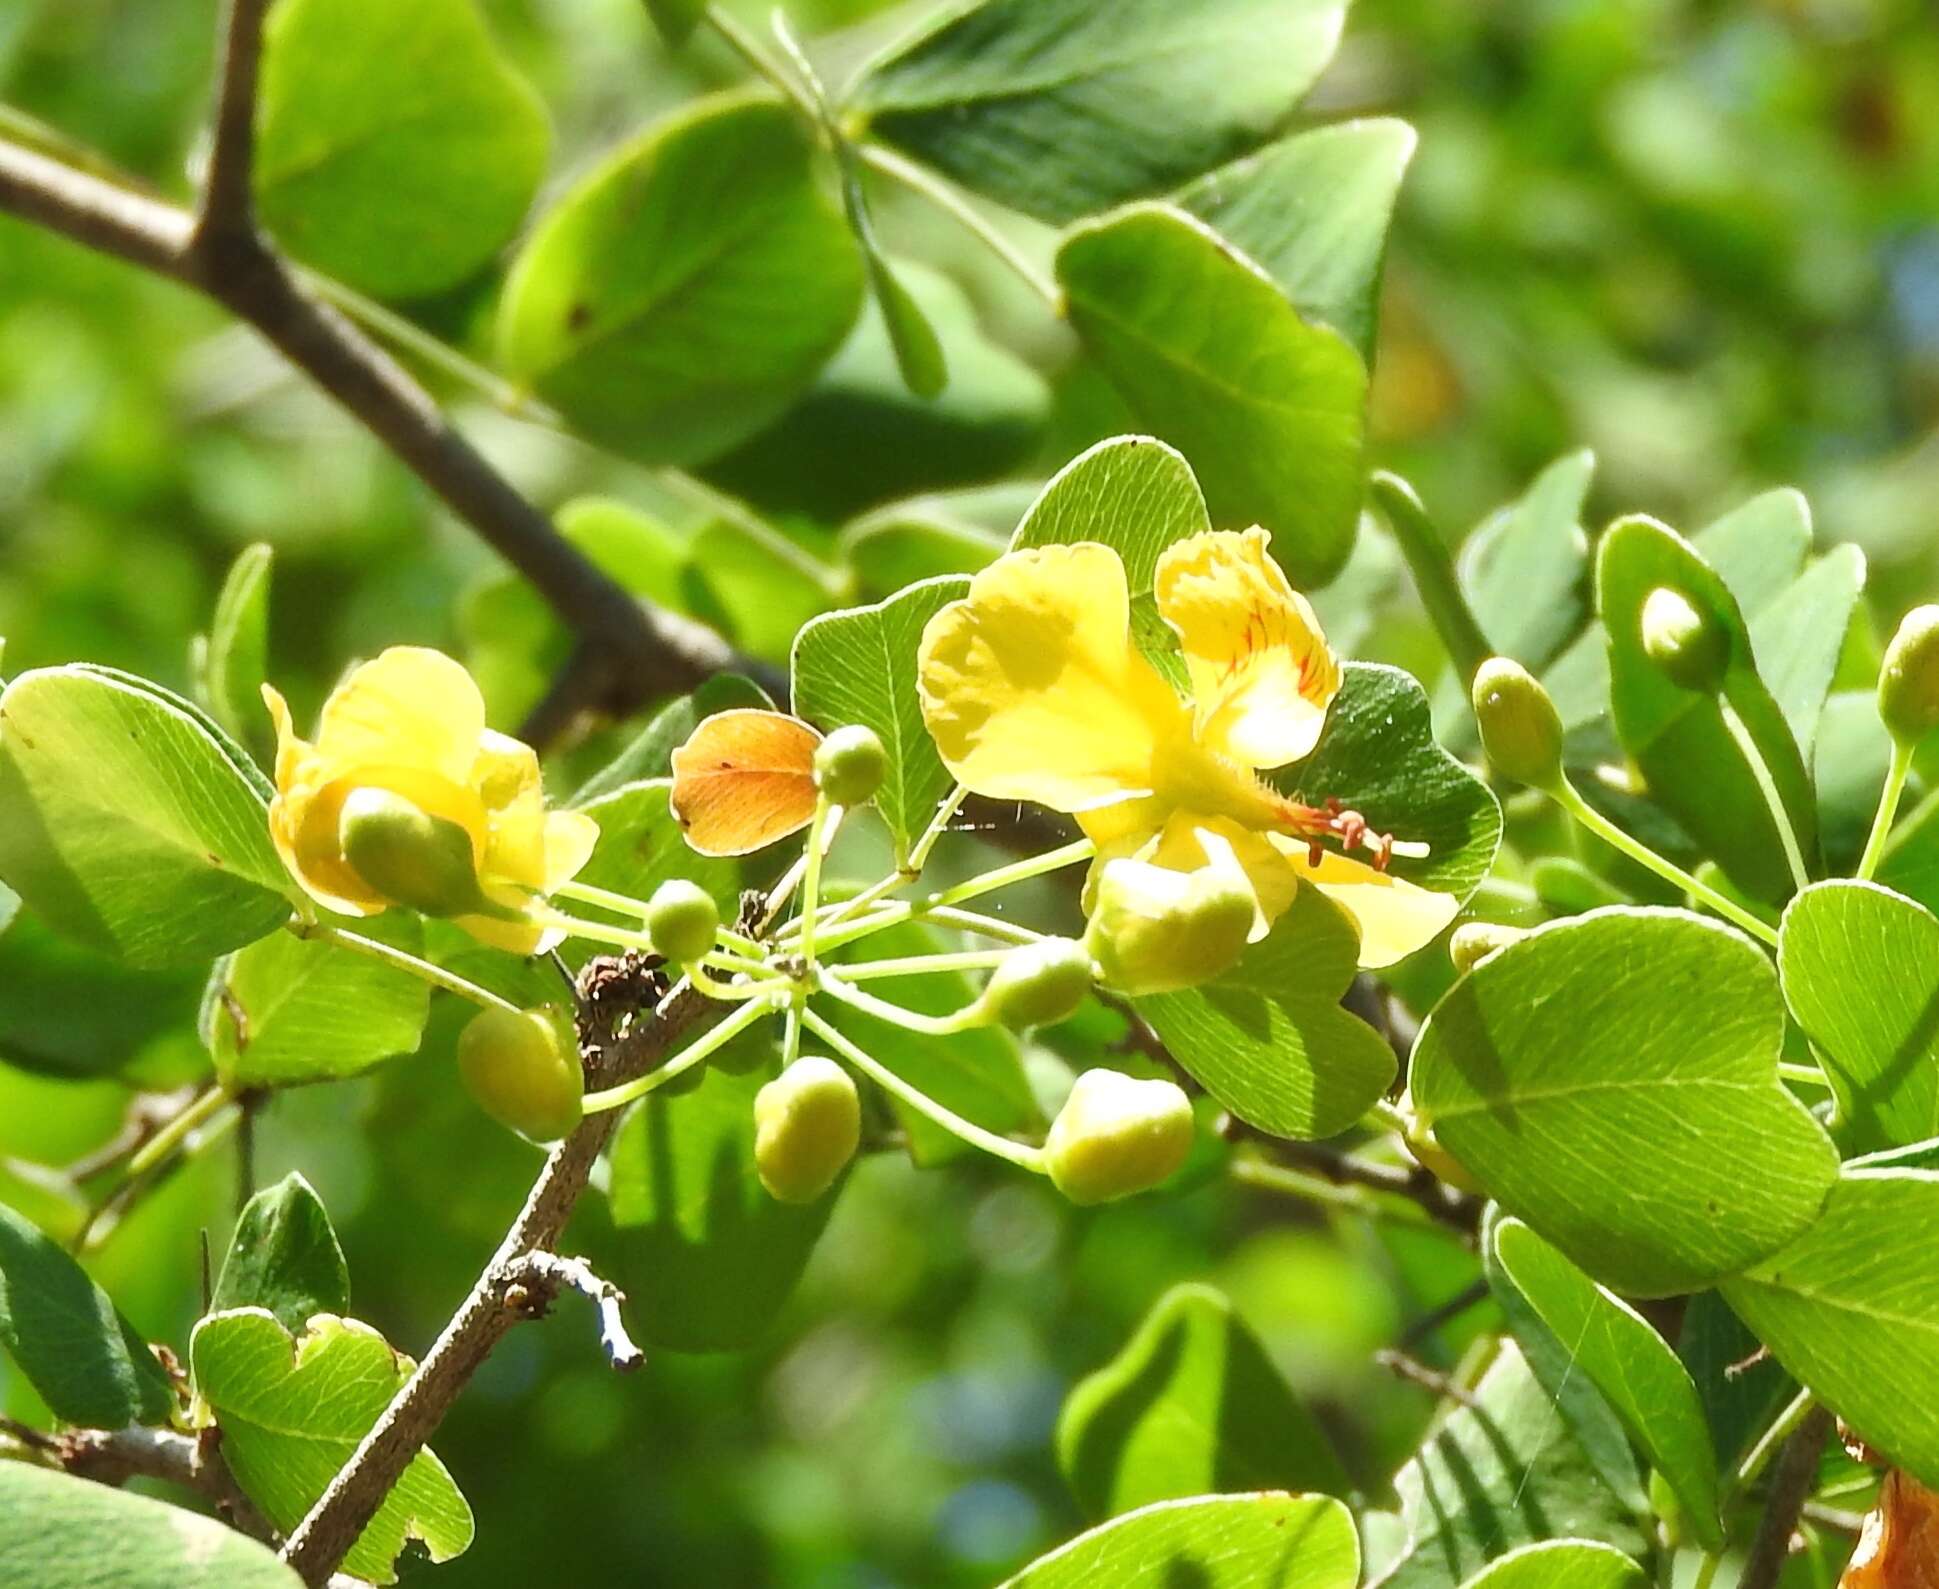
708, 1043
1565, 795
915, 910
1888, 810
1018, 1153
1795, 1412
1805, 1075
751, 50
1707, 1570
436, 975
172, 1135
811, 880
781, 893
1287, 1182
938, 826
919, 180
1016, 872
920, 965
791, 1033
1760, 770
597, 931
604, 898
1432, 566
909, 1020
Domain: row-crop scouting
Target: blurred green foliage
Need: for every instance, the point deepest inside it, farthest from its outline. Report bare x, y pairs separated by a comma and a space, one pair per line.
1700, 237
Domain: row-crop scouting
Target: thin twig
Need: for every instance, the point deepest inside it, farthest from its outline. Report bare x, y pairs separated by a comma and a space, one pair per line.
228, 200
113, 1456
1444, 1204
541, 1275
1797, 1468
1456, 1305
1401, 1366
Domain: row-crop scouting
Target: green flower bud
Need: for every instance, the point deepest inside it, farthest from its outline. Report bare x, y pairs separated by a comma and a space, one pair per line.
1038, 985
1426, 1150
850, 765
1520, 727
1908, 683
1688, 644
522, 1068
409, 856
681, 919
807, 1125
1154, 930
1117, 1135
1473, 941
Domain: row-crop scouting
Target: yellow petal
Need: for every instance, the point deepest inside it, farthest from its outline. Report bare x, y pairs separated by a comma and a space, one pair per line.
569, 840
1032, 688
514, 937
1262, 675
1191, 841
303, 822
1395, 917
409, 707
505, 779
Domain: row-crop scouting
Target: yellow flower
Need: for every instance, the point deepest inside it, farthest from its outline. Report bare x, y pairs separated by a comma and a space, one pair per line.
1034, 689
411, 725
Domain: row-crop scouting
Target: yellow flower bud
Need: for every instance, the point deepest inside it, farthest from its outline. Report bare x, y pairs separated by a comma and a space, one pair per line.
1908, 683
1117, 1135
1520, 728
682, 919
850, 765
408, 856
807, 1125
522, 1068
1154, 930
1428, 1153
1688, 644
1473, 941
1039, 984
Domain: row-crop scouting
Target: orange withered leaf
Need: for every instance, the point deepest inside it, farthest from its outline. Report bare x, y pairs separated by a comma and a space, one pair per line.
744, 779
1899, 1548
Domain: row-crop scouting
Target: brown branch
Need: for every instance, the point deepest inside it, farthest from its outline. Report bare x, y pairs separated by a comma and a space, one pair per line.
1445, 1205
321, 1540
228, 196
1797, 1469
114, 1456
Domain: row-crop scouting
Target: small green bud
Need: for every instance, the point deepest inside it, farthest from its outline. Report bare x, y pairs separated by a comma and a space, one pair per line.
409, 856
522, 1068
807, 1125
681, 919
1426, 1150
1117, 1135
1687, 643
1908, 683
850, 765
1038, 985
1520, 727
1473, 941
1154, 930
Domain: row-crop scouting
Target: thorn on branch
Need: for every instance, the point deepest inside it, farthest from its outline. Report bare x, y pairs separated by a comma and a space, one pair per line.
534, 1280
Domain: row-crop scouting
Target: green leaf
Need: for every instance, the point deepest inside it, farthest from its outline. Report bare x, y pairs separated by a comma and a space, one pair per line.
1612, 1080
763, 585
1269, 407
1687, 756
1525, 571
236, 660
1267, 1541
1133, 494
1758, 547
1061, 108
898, 546
676, 19
1860, 968
680, 296
1269, 1039
640, 846
66, 1338
1561, 1564
126, 825
284, 1257
1631, 1365
1378, 756
59, 1532
978, 1073
395, 148
1852, 1309
1314, 211
706, 1255
859, 666
1192, 1405
1798, 637
918, 350
649, 754
292, 1410
289, 1010
67, 1011
1502, 1471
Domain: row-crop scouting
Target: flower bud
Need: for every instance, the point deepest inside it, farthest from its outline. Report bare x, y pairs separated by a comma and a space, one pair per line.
1520, 727
522, 1068
1154, 930
807, 1125
1688, 644
681, 919
1038, 985
1908, 683
1473, 941
1426, 1150
1117, 1135
409, 856
850, 765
